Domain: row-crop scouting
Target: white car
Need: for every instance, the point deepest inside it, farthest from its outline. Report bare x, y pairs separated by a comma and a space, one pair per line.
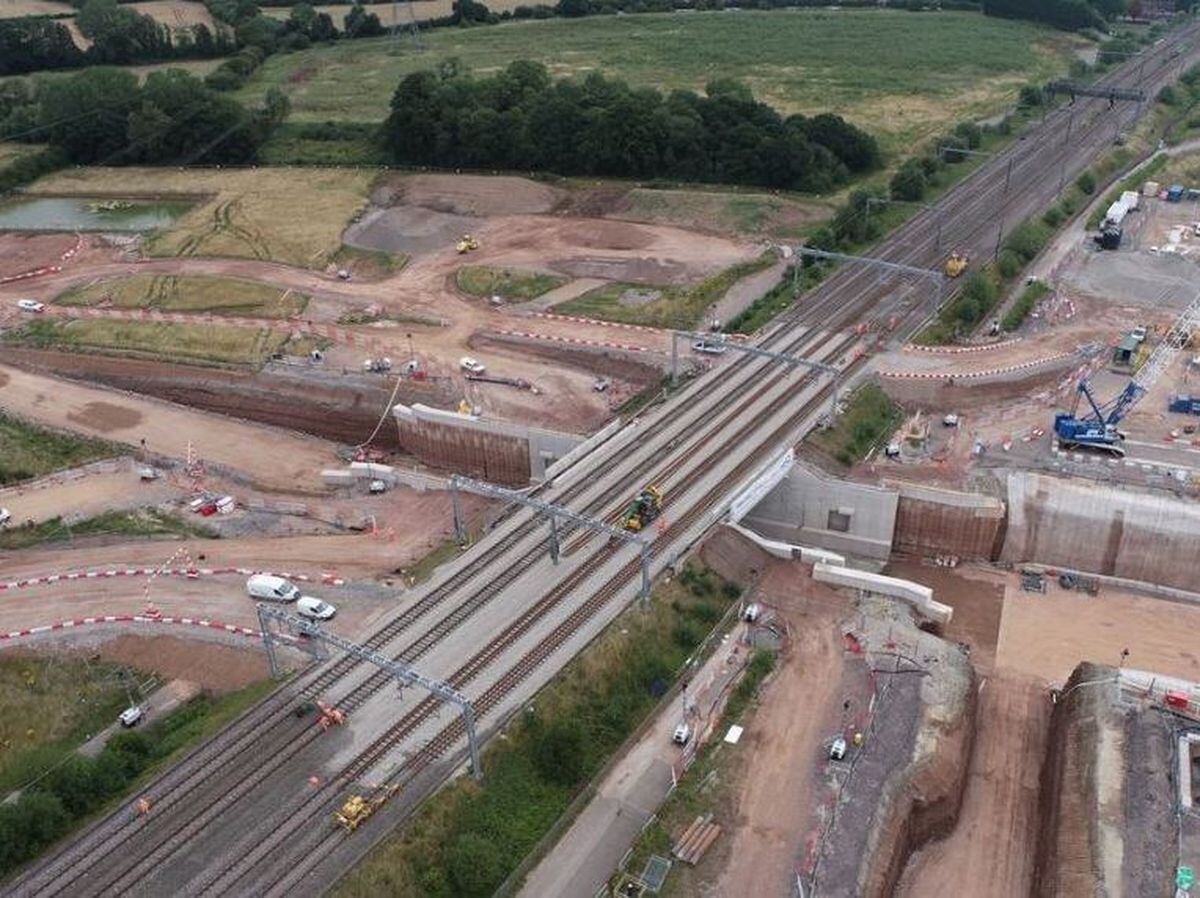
711, 347
682, 734
270, 588
131, 716
837, 750
471, 366
314, 609
375, 487
5, 516
30, 305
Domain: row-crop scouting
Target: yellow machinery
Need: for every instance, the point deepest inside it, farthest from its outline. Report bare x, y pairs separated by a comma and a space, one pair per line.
956, 264
466, 243
358, 808
644, 509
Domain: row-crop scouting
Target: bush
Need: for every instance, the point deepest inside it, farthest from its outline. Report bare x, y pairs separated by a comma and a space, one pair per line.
1027, 240
1086, 182
476, 865
1009, 265
909, 182
560, 752
970, 133
1053, 216
1024, 305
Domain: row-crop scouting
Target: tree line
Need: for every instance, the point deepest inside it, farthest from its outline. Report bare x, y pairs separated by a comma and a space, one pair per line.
102, 115
118, 35
521, 119
1070, 15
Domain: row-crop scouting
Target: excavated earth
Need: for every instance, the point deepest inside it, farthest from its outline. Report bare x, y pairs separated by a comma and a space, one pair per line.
908, 780
1108, 824
345, 411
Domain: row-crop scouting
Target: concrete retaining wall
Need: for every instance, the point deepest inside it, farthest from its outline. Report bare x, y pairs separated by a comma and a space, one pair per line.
944, 522
1121, 532
497, 451
810, 509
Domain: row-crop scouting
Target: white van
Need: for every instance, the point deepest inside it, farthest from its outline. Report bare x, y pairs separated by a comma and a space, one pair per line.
271, 589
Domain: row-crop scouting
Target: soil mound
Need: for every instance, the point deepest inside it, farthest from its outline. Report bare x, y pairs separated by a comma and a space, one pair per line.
478, 195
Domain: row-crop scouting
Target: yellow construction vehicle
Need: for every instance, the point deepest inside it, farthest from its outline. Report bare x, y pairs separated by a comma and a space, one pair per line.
644, 509
358, 808
466, 243
956, 264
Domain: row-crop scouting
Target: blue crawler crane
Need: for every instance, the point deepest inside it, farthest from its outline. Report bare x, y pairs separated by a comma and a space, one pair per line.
1097, 430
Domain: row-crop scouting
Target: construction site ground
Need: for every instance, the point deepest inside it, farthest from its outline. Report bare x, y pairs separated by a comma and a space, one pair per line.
1007, 389
519, 224
1022, 643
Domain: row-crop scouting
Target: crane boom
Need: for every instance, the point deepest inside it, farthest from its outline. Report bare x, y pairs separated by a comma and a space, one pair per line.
1099, 430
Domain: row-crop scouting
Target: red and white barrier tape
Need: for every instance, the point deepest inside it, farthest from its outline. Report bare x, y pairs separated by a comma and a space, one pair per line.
577, 341
134, 619
576, 319
967, 375
190, 573
955, 350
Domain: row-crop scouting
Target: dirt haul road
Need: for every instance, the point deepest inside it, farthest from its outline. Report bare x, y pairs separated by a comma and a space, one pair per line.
797, 713
276, 460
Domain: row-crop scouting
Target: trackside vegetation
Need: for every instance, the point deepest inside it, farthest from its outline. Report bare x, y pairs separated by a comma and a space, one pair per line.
65, 794
522, 119
868, 417
467, 839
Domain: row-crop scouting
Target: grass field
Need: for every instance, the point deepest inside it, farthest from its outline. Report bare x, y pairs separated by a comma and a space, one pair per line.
11, 152
188, 293
901, 76
13, 9
869, 416
741, 214
28, 451
212, 344
507, 283
49, 706
677, 307
130, 524
292, 215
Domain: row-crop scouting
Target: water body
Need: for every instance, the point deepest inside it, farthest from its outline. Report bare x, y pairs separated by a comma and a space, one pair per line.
84, 213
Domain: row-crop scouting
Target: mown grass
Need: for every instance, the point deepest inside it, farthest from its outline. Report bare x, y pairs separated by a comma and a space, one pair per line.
204, 344
28, 451
869, 416
900, 75
291, 215
676, 307
138, 524
188, 293
507, 283
465, 840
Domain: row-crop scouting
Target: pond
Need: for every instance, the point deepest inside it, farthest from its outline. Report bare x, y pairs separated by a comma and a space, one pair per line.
84, 213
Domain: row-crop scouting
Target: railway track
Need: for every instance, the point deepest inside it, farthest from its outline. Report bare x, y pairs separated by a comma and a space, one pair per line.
848, 295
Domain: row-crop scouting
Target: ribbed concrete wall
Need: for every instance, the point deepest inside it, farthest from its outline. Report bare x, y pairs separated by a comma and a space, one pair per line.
499, 451
931, 521
1144, 536
499, 458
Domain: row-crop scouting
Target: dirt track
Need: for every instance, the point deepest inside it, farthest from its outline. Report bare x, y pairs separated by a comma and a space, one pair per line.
276, 460
992, 846
772, 821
